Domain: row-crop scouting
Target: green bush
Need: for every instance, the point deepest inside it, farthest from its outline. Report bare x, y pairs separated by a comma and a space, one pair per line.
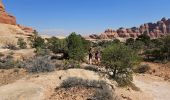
42, 51
37, 42
76, 49
21, 43
144, 38
120, 59
57, 45
8, 62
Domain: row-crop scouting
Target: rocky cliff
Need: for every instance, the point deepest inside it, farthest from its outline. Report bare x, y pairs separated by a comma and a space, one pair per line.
154, 30
9, 29
5, 17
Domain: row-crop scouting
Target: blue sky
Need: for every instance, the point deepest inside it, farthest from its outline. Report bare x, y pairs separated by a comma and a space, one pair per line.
85, 16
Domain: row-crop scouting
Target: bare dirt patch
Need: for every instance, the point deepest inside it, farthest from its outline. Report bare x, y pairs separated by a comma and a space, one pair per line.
11, 75
73, 93
42, 86
155, 86
160, 70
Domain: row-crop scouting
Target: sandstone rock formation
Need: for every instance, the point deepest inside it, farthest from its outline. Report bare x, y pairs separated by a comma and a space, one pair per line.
154, 30
26, 29
5, 17
9, 29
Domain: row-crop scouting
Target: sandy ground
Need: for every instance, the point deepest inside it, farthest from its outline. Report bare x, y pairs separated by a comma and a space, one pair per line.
151, 88
42, 86
155, 86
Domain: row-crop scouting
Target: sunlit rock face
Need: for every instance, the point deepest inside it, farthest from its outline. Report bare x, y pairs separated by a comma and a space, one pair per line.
5, 17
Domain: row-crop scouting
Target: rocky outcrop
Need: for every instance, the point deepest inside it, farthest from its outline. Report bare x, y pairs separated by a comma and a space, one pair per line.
10, 31
154, 30
5, 17
26, 29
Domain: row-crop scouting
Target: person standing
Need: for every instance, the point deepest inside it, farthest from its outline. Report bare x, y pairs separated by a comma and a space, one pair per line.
97, 57
90, 55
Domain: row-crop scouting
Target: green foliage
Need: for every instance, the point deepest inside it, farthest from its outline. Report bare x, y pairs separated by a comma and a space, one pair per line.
76, 49
42, 51
7, 62
104, 44
130, 41
86, 44
21, 43
167, 45
120, 59
57, 45
158, 49
116, 41
138, 45
38, 42
144, 38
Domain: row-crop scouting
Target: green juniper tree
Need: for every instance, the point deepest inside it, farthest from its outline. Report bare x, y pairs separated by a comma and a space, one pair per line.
120, 59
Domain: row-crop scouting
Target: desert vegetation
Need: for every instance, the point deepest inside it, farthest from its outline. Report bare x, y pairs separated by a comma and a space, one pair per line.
119, 61
98, 90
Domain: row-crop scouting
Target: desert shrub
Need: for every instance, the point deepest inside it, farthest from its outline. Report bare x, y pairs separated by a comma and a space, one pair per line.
71, 64
130, 41
10, 46
8, 62
116, 41
21, 43
39, 64
92, 68
42, 51
119, 60
166, 48
142, 68
144, 38
105, 93
103, 90
37, 42
73, 82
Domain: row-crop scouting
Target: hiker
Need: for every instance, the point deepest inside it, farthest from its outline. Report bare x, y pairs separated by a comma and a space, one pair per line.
97, 57
90, 56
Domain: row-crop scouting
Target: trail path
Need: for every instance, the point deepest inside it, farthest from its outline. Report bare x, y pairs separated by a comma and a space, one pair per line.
156, 87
